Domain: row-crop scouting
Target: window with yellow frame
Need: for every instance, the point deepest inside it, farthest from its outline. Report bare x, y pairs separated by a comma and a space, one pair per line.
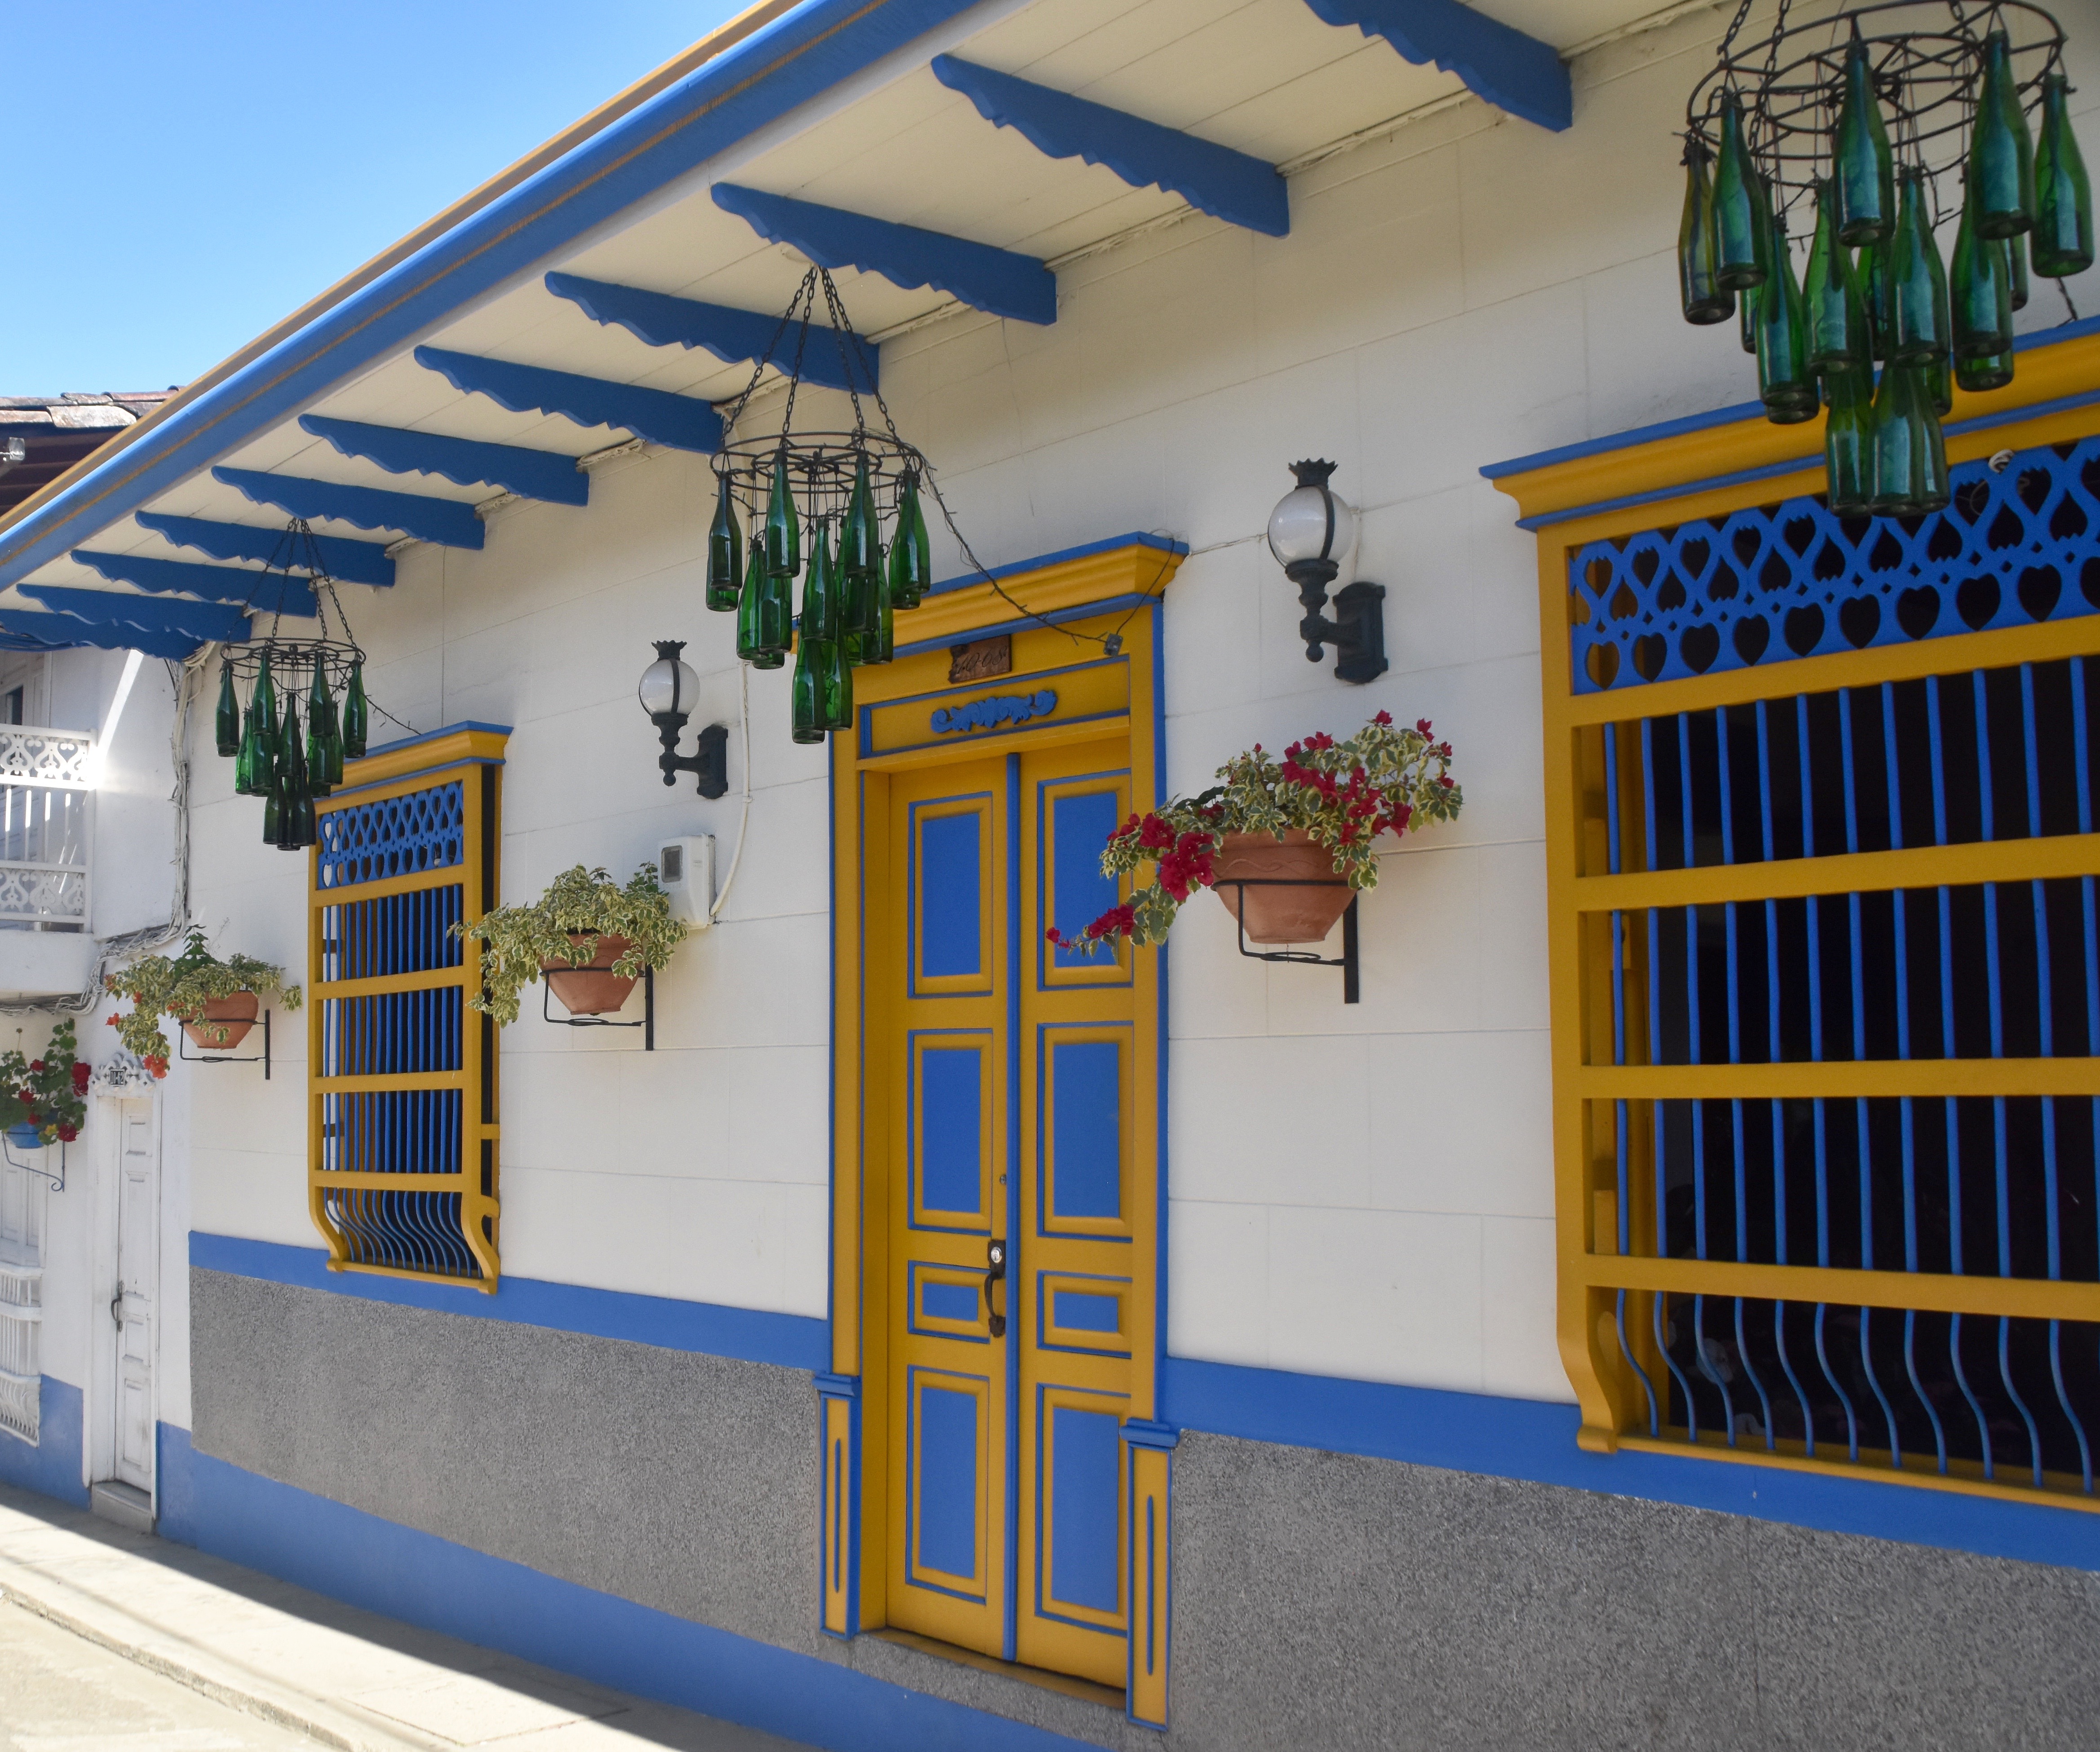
1825, 959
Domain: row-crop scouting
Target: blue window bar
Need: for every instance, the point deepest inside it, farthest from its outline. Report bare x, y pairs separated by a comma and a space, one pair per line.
404, 1180
1930, 899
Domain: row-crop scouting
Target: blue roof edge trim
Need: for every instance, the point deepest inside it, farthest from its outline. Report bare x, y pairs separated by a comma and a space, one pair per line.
1085, 550
1233, 186
798, 58
400, 742
1722, 416
1000, 282
1516, 73
273, 592
751, 1335
1534, 1440
679, 422
734, 337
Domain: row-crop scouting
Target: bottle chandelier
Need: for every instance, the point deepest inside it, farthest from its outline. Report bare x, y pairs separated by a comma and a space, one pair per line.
818, 504
261, 682
1872, 127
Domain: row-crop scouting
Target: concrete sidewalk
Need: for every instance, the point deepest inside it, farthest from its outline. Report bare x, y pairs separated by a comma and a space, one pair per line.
342, 1676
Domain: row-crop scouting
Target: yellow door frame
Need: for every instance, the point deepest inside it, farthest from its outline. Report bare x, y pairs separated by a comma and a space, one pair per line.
1111, 590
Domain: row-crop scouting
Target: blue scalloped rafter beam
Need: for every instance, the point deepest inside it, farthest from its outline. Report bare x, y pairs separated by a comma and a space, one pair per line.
1516, 73
270, 591
39, 629
446, 521
198, 622
734, 336
1231, 186
355, 562
678, 421
543, 474
994, 280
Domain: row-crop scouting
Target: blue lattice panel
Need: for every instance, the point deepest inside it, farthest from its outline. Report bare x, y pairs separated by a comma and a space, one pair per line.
394, 836
1773, 582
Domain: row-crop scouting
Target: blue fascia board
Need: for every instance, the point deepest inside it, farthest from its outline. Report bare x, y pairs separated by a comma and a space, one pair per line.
1086, 550
273, 592
734, 336
38, 629
447, 522
1235, 186
543, 474
349, 562
678, 421
1535, 1442
806, 52
1518, 74
195, 621
792, 1341
998, 281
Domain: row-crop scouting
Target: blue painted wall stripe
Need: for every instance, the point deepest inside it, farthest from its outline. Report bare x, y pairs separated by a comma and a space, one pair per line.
52, 1468
792, 1341
1523, 1438
426, 1581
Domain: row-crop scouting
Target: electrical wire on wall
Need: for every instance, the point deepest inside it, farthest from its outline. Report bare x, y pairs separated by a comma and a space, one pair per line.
743, 819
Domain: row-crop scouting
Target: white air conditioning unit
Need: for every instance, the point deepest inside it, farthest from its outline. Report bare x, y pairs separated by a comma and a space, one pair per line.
685, 867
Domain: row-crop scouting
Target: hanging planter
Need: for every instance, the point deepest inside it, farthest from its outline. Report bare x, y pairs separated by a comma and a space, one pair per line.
44, 1101
215, 1002
1867, 129
1288, 844
591, 937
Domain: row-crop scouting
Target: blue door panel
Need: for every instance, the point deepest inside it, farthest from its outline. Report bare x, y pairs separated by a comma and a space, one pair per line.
951, 1129
1086, 1129
1084, 1479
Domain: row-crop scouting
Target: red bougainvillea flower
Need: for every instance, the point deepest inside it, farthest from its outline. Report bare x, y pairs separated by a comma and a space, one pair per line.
80, 1073
67, 1133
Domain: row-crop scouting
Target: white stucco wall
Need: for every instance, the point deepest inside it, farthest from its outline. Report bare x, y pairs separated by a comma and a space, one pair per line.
1363, 1191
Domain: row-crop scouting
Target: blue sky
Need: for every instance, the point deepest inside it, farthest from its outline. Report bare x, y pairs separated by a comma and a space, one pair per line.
179, 176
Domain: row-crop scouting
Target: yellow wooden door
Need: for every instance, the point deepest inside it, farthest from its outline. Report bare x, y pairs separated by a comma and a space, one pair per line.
943, 1035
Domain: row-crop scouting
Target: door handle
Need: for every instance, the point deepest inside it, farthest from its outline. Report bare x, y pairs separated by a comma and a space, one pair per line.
116, 1305
995, 1258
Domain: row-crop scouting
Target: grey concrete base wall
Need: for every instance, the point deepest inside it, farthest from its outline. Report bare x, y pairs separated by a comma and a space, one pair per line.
1325, 1600
1321, 1601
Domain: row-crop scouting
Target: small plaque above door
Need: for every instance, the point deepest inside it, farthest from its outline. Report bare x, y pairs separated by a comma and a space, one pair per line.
981, 659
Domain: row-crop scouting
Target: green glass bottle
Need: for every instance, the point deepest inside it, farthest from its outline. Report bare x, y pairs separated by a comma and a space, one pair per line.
749, 646
776, 619
248, 762
1940, 384
880, 646
1916, 281
725, 551
838, 687
860, 546
295, 806
229, 726
273, 800
1705, 299
1976, 371
2016, 255
1870, 269
1862, 167
1848, 440
356, 714
820, 593
911, 555
2002, 163
1910, 455
262, 701
1830, 293
783, 529
1746, 328
805, 697
1980, 286
2061, 243
1786, 383
320, 710
1740, 242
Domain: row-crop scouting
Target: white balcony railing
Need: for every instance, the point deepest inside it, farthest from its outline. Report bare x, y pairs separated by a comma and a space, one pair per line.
46, 797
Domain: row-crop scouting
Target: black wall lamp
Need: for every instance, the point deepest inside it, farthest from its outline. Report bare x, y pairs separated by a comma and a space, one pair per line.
1310, 532
668, 690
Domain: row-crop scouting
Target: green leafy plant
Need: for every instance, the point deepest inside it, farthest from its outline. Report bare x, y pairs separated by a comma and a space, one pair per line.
50, 1093
180, 987
563, 925
1343, 795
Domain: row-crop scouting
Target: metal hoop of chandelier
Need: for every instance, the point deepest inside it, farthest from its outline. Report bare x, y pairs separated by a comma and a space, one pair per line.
260, 681
1868, 119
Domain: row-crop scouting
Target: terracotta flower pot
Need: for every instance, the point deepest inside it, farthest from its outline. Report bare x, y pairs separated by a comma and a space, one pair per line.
589, 991
1293, 914
225, 1021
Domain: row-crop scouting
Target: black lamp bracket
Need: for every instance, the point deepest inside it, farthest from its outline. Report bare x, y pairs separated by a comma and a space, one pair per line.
262, 1057
647, 1023
709, 762
57, 1181
1357, 629
1351, 983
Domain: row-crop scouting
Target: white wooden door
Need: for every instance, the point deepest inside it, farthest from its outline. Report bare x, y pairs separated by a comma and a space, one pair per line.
138, 1288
